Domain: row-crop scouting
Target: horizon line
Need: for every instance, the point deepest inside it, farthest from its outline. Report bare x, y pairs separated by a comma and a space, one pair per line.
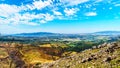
59, 32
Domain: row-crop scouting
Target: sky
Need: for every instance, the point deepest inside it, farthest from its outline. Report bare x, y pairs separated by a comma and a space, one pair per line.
59, 16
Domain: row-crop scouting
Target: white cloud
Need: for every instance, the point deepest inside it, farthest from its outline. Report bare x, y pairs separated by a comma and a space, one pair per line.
2, 0
42, 21
110, 8
31, 7
47, 17
117, 4
73, 2
7, 10
71, 11
7, 13
57, 13
24, 14
98, 1
41, 4
90, 14
11, 14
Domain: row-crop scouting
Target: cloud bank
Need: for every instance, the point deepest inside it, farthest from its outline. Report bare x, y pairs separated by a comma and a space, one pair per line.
44, 11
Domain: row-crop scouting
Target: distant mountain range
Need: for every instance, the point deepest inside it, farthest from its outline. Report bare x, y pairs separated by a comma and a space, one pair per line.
107, 33
46, 34
36, 34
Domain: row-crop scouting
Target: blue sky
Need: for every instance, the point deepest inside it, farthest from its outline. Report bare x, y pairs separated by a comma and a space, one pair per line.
59, 16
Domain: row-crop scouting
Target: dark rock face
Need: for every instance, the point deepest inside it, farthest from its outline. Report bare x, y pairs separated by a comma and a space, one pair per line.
20, 64
108, 59
15, 56
94, 57
87, 59
90, 58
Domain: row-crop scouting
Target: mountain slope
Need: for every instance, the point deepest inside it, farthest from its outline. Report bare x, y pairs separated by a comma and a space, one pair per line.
106, 55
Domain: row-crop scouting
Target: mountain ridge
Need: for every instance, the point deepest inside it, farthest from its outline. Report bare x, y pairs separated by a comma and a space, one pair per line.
107, 33
59, 34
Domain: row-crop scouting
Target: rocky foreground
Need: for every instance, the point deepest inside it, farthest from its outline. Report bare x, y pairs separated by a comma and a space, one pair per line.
106, 55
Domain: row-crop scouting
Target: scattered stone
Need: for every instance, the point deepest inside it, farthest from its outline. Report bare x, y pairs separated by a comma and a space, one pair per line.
108, 59
92, 55
89, 59
111, 45
103, 45
67, 66
99, 46
79, 61
83, 60
94, 47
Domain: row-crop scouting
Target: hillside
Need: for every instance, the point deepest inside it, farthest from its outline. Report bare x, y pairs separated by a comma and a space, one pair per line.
106, 55
60, 55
